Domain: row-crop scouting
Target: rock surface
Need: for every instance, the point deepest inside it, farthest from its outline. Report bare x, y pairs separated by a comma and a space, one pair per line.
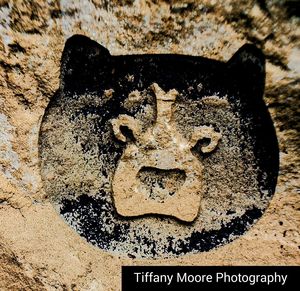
38, 251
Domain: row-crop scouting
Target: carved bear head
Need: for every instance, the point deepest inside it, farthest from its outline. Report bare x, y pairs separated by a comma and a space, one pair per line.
158, 155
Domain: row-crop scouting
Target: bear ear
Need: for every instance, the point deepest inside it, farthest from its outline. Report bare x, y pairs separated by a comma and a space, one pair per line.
84, 64
247, 69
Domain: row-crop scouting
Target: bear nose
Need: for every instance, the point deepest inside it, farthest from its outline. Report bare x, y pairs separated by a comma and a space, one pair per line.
160, 184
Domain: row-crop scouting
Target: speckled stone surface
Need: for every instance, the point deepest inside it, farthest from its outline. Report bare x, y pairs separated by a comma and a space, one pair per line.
37, 247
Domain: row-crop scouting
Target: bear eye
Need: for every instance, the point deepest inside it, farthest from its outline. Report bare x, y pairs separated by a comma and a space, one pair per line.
126, 128
202, 142
204, 139
197, 148
127, 132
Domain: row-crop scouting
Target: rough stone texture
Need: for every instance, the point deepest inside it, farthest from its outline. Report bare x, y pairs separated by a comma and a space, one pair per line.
37, 249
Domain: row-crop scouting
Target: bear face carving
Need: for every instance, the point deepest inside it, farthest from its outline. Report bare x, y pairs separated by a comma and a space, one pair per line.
161, 147
158, 155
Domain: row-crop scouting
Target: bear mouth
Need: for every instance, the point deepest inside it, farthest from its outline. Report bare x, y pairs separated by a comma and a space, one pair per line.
160, 184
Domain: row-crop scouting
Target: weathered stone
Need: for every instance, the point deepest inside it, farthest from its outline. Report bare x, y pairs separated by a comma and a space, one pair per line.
38, 250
